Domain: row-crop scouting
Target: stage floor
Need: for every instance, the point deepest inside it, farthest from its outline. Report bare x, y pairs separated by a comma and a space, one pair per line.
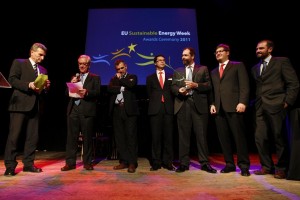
105, 183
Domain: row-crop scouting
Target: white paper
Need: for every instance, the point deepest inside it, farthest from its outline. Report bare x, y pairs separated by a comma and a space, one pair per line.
74, 89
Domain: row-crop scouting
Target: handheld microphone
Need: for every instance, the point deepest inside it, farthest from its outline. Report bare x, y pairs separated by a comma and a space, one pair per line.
77, 76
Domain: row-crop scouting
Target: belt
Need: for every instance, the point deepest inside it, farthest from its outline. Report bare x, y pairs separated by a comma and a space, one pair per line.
121, 104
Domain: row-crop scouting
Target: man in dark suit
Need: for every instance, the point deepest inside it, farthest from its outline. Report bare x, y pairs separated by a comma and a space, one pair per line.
24, 108
230, 98
277, 87
81, 115
191, 86
124, 110
161, 114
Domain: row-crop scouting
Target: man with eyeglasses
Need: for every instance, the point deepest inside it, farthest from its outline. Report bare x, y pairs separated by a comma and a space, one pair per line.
228, 104
124, 111
81, 115
161, 115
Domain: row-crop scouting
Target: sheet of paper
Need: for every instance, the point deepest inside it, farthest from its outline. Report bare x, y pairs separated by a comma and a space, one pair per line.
74, 89
40, 81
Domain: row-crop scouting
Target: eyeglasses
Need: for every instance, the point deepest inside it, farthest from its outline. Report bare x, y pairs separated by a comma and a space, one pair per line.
162, 60
86, 64
220, 51
120, 68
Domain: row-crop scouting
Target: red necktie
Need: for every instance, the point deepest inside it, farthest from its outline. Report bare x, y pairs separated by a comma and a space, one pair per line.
161, 81
221, 70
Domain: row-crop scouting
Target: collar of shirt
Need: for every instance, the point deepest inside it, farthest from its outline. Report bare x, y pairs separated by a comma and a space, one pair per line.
225, 64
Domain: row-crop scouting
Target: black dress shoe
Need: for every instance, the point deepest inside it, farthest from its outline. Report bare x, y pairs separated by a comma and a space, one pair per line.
9, 172
68, 167
245, 172
155, 167
169, 167
228, 169
88, 167
32, 168
208, 169
182, 168
131, 168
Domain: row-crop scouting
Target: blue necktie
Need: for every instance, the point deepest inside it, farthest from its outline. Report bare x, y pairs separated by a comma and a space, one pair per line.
190, 78
77, 102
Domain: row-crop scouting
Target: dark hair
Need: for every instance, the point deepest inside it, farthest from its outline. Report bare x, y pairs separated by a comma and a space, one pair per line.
224, 46
270, 43
159, 55
192, 50
117, 62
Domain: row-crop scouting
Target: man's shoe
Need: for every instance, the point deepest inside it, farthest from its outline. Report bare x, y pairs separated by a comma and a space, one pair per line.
131, 168
208, 169
169, 167
280, 174
182, 168
262, 171
89, 167
245, 172
155, 167
9, 172
68, 167
32, 168
120, 166
228, 169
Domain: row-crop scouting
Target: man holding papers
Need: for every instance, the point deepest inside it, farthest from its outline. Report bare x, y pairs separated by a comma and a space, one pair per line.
84, 92
24, 108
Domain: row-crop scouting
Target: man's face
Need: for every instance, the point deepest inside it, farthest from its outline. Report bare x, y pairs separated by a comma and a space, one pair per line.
121, 68
160, 63
187, 59
83, 65
38, 55
262, 50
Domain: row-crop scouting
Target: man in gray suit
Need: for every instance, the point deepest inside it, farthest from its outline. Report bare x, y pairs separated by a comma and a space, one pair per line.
230, 98
277, 87
25, 107
191, 86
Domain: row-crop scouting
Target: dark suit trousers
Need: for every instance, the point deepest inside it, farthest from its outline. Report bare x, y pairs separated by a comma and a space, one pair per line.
188, 119
125, 131
162, 137
17, 122
232, 125
77, 123
268, 129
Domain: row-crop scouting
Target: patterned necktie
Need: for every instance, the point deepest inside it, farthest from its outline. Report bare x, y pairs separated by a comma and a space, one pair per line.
221, 70
264, 67
161, 81
35, 66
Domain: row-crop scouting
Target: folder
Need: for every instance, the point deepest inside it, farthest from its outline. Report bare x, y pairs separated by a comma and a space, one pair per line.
3, 82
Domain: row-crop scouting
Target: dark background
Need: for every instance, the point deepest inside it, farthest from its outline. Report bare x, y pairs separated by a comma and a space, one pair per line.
62, 28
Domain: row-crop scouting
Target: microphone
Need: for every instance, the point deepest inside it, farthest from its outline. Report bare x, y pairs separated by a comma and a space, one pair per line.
77, 76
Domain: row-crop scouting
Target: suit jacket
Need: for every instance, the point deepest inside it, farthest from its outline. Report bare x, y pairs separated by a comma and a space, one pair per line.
155, 93
130, 102
232, 88
277, 85
89, 103
21, 74
200, 76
